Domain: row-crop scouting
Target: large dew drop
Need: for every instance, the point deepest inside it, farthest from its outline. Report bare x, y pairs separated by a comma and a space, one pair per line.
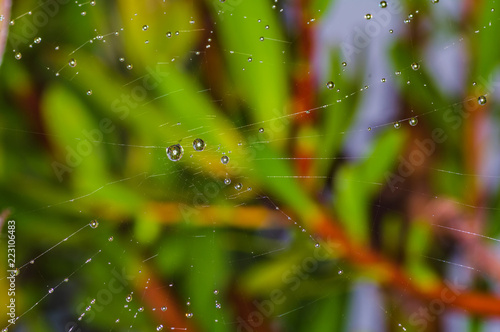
481, 100
175, 152
224, 160
199, 145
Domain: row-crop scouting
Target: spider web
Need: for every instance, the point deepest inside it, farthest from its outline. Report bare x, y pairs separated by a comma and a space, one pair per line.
186, 245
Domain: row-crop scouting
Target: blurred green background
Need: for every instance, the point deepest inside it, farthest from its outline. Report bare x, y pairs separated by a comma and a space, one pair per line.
308, 235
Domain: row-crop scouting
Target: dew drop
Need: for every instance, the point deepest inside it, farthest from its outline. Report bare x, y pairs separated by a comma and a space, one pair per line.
94, 223
382, 4
89, 92
330, 85
199, 145
227, 181
261, 130
249, 59
163, 308
72, 63
169, 34
415, 66
110, 239
145, 27
368, 16
38, 40
51, 290
481, 100
18, 56
397, 125
189, 314
175, 152
129, 298
344, 64
159, 327
224, 160
130, 66
238, 186
216, 291
261, 38
413, 122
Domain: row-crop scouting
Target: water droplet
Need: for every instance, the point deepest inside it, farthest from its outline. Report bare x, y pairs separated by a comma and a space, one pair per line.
128, 298
382, 80
72, 63
175, 152
224, 160
159, 327
369, 128
121, 59
199, 145
216, 291
382, 4
141, 309
398, 73
397, 125
110, 238
261, 38
38, 40
391, 31
145, 27
249, 59
481, 100
227, 181
317, 245
344, 64
189, 314
340, 272
330, 85
267, 26
130, 66
238, 186
261, 130
18, 56
368, 16
51, 290
415, 66
217, 305
94, 223
89, 92
163, 308
413, 122
169, 34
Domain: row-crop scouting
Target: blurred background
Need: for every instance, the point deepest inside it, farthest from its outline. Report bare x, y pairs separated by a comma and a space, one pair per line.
237, 165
